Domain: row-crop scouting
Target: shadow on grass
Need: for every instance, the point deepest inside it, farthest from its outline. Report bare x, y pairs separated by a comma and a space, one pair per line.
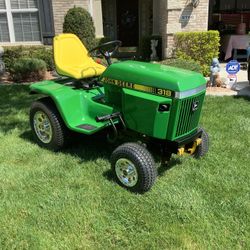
90, 148
87, 148
165, 167
247, 98
109, 175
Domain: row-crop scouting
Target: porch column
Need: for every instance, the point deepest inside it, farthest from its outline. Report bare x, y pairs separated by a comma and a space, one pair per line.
156, 17
97, 17
173, 25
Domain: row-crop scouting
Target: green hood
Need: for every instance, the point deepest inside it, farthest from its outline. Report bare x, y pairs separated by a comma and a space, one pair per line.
155, 75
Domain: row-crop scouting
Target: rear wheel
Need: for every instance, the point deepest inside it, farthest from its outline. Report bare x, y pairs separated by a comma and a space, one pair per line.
47, 125
134, 167
202, 149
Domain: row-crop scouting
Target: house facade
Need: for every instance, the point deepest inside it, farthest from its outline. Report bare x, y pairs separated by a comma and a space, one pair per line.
131, 20
37, 21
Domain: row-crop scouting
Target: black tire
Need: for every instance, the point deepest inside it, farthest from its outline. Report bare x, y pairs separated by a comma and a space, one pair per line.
142, 160
202, 149
58, 128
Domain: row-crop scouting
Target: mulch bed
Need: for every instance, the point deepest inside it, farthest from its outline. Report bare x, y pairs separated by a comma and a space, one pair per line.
5, 79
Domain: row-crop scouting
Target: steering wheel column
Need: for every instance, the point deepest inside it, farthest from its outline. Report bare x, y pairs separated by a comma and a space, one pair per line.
107, 50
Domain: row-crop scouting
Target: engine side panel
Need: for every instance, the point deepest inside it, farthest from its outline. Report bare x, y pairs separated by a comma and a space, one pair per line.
141, 113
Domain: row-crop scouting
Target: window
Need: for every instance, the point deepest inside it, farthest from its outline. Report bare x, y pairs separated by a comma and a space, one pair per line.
19, 21
4, 31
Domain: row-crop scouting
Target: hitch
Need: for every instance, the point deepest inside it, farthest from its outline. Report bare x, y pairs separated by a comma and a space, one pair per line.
197, 142
182, 151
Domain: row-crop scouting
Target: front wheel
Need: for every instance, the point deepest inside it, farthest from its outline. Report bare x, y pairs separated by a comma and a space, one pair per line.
134, 167
202, 149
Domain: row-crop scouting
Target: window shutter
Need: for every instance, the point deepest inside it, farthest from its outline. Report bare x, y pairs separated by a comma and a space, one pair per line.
47, 21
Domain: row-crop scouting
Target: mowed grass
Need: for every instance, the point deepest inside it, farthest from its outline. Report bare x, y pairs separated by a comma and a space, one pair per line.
68, 200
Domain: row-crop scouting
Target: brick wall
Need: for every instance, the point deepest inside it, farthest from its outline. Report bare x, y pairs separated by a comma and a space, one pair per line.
181, 16
60, 8
199, 17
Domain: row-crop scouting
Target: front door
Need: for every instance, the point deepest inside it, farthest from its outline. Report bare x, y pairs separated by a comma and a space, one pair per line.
128, 22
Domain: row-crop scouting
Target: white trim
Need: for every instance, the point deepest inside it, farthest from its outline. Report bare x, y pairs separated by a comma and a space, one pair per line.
91, 8
10, 21
21, 43
187, 93
24, 10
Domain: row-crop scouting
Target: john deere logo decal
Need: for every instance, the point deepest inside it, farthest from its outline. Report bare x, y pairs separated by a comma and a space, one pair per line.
195, 106
139, 87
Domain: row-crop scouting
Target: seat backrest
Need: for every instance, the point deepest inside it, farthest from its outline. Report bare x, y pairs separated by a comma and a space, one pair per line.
69, 51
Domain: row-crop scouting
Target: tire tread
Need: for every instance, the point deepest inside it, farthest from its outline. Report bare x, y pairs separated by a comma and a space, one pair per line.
144, 161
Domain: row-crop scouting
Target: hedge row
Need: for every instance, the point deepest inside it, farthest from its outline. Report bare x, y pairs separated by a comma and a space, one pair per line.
199, 46
13, 54
28, 69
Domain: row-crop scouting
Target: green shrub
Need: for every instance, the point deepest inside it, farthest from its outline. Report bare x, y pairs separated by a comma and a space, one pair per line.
184, 64
46, 54
145, 47
12, 54
28, 69
199, 46
79, 22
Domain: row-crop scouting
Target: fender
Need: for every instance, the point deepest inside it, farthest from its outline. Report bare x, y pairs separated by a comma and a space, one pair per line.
76, 106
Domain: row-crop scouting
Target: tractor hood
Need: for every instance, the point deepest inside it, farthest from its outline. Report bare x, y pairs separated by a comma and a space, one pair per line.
157, 76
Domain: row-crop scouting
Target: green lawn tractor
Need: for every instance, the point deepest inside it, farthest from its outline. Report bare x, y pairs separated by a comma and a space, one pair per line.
142, 106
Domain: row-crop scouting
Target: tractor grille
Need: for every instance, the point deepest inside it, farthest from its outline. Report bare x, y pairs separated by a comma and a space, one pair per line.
189, 114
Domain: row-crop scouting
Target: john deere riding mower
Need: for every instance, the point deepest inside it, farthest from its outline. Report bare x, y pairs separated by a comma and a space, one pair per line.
153, 106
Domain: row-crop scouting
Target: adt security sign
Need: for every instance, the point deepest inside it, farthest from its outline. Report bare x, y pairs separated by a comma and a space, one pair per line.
233, 67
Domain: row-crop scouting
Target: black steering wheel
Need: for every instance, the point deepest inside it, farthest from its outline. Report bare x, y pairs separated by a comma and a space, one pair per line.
107, 49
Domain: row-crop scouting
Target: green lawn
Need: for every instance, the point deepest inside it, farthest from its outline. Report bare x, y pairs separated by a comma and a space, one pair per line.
68, 200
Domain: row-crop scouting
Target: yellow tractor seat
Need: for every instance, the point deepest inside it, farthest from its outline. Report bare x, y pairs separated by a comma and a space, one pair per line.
72, 59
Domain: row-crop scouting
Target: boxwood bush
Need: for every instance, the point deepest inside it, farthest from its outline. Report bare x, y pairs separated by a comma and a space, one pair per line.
28, 69
14, 53
199, 46
44, 53
79, 22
